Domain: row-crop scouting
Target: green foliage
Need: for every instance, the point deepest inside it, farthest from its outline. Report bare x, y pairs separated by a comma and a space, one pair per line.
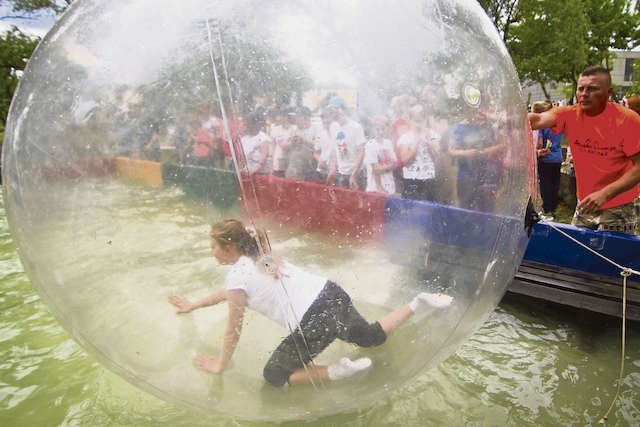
611, 25
549, 43
16, 47
503, 14
245, 68
634, 89
30, 6
554, 40
15, 50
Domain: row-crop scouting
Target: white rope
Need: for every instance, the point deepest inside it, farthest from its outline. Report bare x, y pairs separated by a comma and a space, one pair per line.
624, 272
225, 122
264, 253
622, 268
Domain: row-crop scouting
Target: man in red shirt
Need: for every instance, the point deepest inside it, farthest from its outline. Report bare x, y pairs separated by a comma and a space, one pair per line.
605, 144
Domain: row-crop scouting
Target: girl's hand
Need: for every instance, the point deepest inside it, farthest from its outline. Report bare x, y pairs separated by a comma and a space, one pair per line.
209, 364
183, 304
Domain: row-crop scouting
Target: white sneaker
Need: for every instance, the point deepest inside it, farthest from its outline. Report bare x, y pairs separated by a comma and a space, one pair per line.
346, 368
430, 300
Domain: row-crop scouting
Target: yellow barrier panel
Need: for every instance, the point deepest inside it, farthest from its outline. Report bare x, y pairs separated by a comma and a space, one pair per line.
143, 171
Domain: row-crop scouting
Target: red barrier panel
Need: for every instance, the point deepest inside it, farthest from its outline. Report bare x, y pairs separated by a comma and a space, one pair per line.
79, 168
316, 207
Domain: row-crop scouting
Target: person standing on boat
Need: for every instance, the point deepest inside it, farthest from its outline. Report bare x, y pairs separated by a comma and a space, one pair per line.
604, 138
315, 310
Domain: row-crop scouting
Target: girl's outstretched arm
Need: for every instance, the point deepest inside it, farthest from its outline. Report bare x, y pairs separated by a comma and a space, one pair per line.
184, 305
237, 300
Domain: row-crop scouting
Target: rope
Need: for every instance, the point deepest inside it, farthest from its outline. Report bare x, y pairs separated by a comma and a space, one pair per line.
622, 268
264, 253
624, 272
311, 363
225, 120
237, 166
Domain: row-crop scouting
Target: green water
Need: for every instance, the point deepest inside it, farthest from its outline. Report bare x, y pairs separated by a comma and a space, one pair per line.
530, 364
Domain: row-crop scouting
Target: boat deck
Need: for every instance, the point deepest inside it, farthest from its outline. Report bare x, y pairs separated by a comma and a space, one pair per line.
558, 270
597, 293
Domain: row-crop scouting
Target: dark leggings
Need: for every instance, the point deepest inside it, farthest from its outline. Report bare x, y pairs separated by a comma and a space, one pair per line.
332, 315
549, 177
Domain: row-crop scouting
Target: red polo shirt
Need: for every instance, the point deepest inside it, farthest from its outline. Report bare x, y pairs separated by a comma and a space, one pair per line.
601, 147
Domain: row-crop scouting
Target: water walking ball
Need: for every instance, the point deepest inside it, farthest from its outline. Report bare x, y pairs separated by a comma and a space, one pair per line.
138, 124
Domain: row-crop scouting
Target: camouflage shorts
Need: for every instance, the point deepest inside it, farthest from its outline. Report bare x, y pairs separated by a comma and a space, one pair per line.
623, 219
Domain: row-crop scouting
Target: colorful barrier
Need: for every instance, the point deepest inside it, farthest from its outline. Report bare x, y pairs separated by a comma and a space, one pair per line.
361, 217
215, 186
142, 171
444, 224
353, 215
78, 168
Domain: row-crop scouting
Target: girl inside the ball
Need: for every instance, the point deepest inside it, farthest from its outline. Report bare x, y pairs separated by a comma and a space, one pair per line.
315, 309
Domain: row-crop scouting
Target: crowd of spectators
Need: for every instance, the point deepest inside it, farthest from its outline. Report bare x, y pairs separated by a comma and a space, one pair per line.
410, 150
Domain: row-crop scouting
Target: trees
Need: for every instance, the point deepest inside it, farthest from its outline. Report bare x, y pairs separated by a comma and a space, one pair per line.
613, 24
25, 7
503, 14
16, 46
634, 89
549, 40
549, 43
553, 40
15, 50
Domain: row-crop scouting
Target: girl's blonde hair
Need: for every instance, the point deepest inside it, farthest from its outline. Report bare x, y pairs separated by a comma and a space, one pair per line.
249, 242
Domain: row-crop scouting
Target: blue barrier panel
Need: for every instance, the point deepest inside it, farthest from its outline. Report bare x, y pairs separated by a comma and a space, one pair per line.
548, 246
412, 220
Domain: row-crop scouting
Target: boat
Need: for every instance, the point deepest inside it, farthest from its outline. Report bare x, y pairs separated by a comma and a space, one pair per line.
581, 268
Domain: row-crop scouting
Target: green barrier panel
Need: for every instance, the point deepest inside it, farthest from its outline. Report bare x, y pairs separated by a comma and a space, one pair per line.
216, 186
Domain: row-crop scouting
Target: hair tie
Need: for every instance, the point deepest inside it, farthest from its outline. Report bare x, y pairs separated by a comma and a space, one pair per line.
251, 232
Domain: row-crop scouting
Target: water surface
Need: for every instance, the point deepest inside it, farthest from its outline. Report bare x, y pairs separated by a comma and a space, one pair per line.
530, 364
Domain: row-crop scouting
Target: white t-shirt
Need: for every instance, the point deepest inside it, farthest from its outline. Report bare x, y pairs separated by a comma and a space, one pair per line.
422, 167
284, 300
280, 136
379, 152
347, 139
325, 147
251, 146
313, 133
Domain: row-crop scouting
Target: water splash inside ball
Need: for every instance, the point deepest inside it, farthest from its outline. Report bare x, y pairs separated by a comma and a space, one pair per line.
126, 139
